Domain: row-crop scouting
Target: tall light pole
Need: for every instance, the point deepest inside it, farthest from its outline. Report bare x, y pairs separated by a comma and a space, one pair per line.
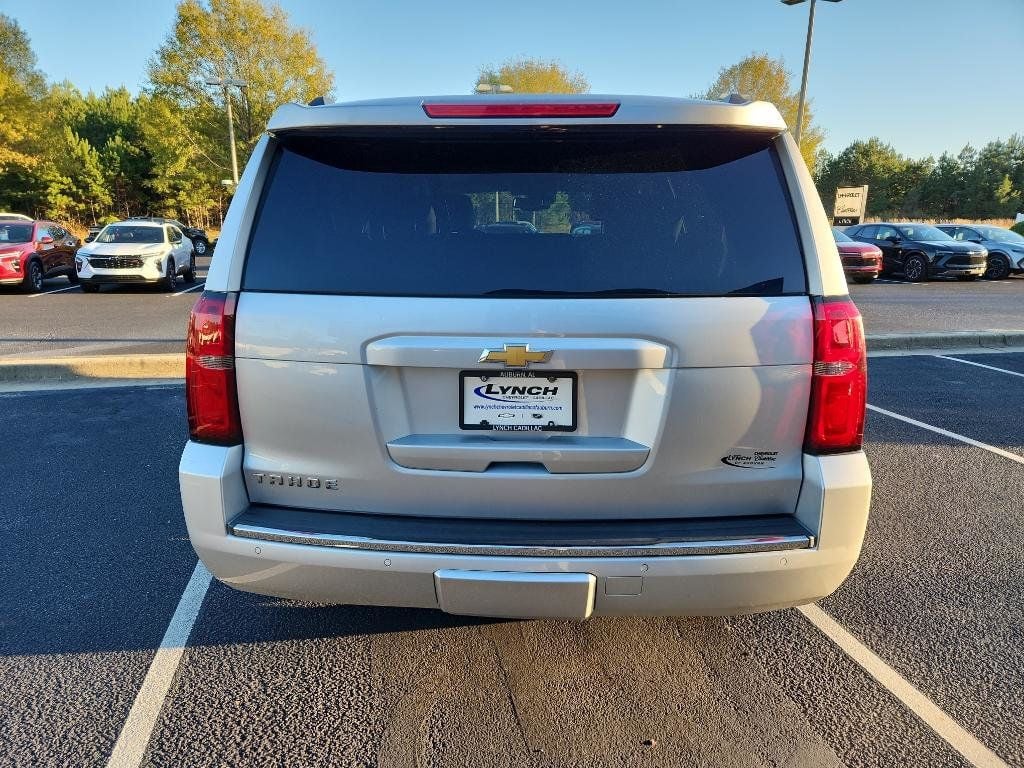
807, 64
223, 83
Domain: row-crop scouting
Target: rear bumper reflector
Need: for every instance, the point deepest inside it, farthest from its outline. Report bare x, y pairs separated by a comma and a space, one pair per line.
216, 362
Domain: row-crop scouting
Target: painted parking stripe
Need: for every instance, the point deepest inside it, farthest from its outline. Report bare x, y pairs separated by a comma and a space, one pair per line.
947, 433
972, 750
138, 728
981, 365
187, 290
58, 290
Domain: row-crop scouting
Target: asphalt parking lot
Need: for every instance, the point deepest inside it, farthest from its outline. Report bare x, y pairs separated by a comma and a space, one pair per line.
97, 560
896, 306
119, 320
64, 321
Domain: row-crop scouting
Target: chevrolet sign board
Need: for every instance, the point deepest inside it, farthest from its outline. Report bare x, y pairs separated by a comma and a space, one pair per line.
851, 202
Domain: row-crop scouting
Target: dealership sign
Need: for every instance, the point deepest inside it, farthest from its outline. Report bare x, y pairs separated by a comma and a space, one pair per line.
851, 203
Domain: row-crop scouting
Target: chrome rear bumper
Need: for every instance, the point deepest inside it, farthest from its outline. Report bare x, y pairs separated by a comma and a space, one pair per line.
522, 538
688, 576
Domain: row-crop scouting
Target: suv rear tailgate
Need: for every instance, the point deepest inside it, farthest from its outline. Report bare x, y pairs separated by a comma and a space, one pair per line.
692, 386
653, 273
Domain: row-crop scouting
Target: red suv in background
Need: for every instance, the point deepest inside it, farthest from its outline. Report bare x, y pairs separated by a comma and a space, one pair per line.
862, 262
31, 251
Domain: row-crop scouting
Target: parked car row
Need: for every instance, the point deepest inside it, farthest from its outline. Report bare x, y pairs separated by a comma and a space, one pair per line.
921, 251
142, 250
158, 250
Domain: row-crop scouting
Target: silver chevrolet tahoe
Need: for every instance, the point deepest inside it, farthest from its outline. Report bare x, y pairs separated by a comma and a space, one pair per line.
528, 356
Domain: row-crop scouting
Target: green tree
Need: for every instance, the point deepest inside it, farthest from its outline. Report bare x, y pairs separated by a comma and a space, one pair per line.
1015, 151
1007, 197
181, 180
92, 160
910, 183
22, 87
890, 175
943, 190
75, 187
532, 75
34, 186
238, 39
112, 124
989, 180
975, 184
761, 77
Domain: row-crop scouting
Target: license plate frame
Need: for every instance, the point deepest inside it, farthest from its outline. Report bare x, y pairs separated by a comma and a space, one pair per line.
487, 425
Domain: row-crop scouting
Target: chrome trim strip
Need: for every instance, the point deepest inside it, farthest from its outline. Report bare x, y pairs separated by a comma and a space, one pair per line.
566, 354
568, 454
669, 549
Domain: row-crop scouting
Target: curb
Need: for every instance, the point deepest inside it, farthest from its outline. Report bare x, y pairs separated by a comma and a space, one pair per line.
946, 340
172, 366
54, 369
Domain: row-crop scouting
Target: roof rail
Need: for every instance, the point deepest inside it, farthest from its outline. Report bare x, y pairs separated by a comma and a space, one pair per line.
736, 98
319, 101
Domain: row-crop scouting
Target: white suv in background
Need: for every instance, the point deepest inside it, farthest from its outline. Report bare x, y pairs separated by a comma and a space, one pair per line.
136, 251
649, 401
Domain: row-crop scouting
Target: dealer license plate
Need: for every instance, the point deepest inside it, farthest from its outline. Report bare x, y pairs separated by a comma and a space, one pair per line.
518, 401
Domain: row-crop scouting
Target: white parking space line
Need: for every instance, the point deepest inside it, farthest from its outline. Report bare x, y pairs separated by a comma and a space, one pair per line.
187, 290
972, 750
947, 433
981, 365
58, 290
138, 728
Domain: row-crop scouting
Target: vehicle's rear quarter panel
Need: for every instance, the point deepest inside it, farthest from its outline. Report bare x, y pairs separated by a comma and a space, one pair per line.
825, 276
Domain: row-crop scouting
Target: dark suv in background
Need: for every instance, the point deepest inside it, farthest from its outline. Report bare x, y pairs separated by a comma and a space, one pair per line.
199, 238
921, 251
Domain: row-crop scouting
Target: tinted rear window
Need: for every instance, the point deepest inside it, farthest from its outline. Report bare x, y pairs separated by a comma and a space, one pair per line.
526, 212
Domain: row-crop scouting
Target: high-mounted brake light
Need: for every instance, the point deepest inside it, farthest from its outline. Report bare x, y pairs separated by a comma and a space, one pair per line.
513, 109
210, 389
839, 380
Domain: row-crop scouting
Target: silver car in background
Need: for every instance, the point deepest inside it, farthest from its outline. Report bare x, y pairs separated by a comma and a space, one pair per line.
1005, 247
404, 407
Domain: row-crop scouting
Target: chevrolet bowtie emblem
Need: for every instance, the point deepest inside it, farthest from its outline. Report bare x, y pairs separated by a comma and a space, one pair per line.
515, 356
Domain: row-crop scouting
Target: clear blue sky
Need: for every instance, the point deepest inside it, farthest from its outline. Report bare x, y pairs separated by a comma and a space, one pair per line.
924, 75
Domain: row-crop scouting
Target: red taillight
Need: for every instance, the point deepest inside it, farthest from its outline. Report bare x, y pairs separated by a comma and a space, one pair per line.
512, 109
839, 379
210, 389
